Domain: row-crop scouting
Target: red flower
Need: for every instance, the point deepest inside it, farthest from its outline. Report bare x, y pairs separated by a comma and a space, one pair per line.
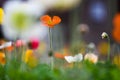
34, 43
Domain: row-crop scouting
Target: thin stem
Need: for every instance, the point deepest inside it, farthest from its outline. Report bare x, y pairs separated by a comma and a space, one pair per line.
50, 48
52, 62
50, 39
6, 56
108, 48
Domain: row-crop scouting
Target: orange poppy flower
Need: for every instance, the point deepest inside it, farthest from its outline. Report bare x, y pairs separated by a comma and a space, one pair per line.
116, 28
50, 22
116, 21
116, 35
2, 42
2, 58
60, 56
10, 48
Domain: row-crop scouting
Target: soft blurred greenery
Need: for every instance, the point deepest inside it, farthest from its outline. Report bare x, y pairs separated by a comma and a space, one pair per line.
81, 71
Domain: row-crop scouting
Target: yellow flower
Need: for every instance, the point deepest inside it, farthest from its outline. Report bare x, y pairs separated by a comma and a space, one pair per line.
116, 60
102, 48
30, 59
2, 58
1, 15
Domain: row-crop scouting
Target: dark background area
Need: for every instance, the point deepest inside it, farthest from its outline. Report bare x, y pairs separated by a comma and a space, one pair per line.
113, 6
118, 5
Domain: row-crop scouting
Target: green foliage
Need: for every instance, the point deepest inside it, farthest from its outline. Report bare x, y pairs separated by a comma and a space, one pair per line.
83, 71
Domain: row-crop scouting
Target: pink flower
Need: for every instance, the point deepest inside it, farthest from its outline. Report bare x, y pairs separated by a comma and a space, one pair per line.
19, 43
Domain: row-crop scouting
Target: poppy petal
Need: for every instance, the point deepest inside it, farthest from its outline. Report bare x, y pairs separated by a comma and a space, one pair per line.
115, 34
58, 55
45, 19
56, 20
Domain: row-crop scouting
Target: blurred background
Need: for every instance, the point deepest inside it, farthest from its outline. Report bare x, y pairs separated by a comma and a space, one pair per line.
83, 21
97, 14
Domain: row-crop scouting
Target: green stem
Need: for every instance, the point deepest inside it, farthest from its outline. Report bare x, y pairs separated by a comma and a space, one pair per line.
50, 48
50, 39
108, 48
52, 62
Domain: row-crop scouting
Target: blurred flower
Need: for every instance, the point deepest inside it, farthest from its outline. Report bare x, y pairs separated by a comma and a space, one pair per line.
60, 55
10, 48
116, 20
116, 34
28, 54
91, 45
6, 44
19, 43
50, 22
116, 60
59, 5
76, 58
104, 35
18, 15
1, 15
2, 41
91, 57
116, 28
34, 43
30, 58
91, 48
83, 28
20, 20
64, 52
102, 48
38, 31
63, 5
2, 58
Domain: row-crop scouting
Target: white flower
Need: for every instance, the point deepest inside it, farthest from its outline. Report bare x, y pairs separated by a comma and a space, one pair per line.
20, 20
91, 45
91, 57
31, 8
46, 3
76, 58
58, 4
7, 44
69, 59
104, 35
37, 31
